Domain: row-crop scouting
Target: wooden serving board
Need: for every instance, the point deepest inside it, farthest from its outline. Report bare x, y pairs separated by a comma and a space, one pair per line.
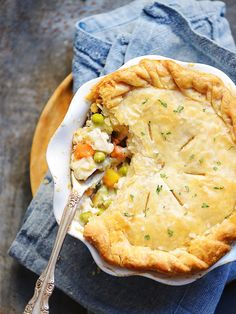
51, 117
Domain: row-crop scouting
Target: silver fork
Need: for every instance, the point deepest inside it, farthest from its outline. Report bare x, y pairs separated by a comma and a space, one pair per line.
44, 286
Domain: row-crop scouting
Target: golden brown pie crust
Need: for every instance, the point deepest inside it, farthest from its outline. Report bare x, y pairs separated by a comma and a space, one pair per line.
106, 232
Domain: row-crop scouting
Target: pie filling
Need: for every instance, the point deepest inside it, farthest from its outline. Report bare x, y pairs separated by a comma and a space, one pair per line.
99, 146
169, 162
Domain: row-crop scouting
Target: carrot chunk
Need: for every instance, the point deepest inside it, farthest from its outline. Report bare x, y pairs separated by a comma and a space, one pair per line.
119, 152
83, 150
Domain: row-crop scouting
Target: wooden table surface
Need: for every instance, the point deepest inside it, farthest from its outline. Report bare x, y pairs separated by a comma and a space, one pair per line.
35, 56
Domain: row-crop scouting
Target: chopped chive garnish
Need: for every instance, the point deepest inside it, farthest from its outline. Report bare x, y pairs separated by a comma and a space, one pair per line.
204, 109
170, 232
147, 237
191, 157
215, 168
186, 188
142, 133
218, 187
163, 175
131, 196
205, 205
158, 189
179, 109
128, 214
145, 101
164, 104
218, 163
201, 161
165, 134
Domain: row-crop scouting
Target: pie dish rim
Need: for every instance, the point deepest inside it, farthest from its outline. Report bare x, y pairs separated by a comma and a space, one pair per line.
61, 188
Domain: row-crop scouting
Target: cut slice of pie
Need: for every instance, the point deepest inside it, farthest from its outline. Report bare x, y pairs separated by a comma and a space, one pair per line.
173, 210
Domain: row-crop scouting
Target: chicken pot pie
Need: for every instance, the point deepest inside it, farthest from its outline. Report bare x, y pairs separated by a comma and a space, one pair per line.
165, 136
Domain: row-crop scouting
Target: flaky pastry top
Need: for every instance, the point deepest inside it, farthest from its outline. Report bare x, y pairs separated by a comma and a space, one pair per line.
175, 210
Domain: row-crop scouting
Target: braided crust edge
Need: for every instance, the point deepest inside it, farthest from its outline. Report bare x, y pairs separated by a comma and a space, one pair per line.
107, 232
167, 74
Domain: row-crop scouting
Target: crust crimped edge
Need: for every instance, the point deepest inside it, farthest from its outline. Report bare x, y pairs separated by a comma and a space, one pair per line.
107, 234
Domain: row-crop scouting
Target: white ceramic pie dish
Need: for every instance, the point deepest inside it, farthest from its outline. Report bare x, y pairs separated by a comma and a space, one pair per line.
60, 146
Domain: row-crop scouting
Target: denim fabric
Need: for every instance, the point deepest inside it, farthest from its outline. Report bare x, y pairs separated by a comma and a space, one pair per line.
182, 29
186, 30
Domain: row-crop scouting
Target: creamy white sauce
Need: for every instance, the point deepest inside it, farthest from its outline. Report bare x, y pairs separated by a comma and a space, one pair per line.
83, 168
100, 141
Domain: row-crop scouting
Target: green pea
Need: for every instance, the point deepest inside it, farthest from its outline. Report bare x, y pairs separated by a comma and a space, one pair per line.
84, 217
123, 170
99, 157
97, 118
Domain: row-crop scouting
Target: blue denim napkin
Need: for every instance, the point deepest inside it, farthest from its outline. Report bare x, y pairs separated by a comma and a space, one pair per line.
186, 30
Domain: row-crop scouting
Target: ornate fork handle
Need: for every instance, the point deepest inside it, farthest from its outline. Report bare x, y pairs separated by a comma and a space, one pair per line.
45, 283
